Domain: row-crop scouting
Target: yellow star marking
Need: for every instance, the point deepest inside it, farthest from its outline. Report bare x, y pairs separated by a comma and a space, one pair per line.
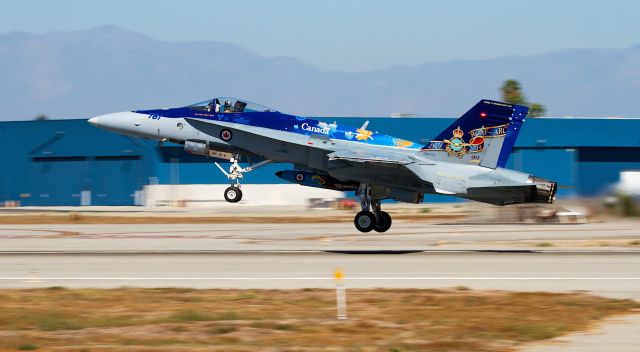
363, 134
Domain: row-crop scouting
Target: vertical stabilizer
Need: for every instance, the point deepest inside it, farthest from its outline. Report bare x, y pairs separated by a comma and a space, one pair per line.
484, 135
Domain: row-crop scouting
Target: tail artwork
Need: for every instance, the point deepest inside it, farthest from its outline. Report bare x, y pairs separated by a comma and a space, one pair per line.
484, 135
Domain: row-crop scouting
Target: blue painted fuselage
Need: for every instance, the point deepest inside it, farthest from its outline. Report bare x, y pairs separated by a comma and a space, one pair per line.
288, 123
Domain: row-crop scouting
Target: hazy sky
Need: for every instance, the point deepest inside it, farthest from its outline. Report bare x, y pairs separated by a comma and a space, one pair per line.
352, 35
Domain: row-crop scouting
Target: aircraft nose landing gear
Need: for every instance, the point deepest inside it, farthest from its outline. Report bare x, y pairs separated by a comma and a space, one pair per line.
233, 193
367, 220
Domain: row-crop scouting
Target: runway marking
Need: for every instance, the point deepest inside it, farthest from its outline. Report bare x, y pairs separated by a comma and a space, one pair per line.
322, 278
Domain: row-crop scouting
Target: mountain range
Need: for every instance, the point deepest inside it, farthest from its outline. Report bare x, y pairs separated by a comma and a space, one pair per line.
79, 74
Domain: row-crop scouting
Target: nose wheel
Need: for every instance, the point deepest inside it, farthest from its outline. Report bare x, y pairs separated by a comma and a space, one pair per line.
371, 217
233, 193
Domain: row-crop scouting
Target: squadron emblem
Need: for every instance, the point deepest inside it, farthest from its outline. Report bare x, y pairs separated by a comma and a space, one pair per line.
456, 146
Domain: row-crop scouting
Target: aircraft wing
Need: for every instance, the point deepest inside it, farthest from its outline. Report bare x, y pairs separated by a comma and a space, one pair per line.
370, 157
359, 155
354, 160
384, 166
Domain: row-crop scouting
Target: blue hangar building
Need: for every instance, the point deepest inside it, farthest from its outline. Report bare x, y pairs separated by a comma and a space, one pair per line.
69, 162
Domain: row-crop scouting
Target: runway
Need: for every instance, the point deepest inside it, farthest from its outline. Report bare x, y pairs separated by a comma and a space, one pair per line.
591, 257
613, 275
320, 236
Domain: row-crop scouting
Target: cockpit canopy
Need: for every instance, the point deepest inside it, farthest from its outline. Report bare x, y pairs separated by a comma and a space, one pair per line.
229, 105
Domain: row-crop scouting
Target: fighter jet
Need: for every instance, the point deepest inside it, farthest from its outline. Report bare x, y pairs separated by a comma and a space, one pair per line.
467, 159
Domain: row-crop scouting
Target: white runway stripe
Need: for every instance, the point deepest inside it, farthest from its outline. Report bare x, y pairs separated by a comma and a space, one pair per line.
322, 278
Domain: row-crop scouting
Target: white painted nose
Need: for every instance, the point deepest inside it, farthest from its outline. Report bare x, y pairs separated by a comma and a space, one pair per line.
126, 122
93, 121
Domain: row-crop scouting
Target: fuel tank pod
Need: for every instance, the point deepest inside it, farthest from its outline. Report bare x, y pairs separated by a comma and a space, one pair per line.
312, 179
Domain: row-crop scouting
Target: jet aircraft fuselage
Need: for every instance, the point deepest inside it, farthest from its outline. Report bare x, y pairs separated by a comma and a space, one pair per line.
465, 160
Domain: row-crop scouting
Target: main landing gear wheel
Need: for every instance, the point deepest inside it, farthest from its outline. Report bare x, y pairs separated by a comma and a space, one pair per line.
232, 194
365, 221
371, 217
383, 222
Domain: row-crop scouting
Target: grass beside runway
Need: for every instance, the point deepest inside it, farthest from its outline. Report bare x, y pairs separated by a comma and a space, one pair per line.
172, 319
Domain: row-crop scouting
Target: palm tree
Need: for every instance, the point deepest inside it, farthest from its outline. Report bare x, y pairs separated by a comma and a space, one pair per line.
511, 92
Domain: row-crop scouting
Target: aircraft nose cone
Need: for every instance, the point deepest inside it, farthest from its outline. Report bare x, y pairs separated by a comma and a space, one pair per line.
127, 122
93, 121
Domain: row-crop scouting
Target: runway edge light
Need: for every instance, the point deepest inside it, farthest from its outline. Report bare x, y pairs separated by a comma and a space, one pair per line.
341, 294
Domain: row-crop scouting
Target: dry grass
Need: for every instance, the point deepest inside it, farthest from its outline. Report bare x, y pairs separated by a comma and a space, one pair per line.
297, 320
74, 218
557, 243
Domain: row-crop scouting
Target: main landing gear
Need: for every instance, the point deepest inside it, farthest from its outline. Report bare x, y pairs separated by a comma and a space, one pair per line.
233, 193
371, 217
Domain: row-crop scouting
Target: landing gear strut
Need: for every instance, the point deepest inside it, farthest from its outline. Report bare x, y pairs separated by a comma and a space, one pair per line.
233, 193
371, 217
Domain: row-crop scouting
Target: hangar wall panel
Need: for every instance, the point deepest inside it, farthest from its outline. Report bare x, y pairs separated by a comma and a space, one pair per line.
115, 180
599, 168
66, 162
58, 181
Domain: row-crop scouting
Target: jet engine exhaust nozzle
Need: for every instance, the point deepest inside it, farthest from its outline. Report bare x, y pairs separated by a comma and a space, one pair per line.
545, 189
